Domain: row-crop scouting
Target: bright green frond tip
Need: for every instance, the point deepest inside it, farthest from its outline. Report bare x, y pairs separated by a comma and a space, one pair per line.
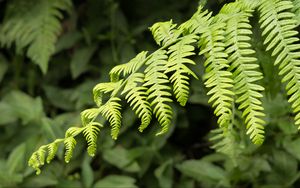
151, 82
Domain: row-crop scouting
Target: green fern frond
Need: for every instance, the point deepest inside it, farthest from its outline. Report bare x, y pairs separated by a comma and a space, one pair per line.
73, 131
52, 149
217, 77
164, 32
225, 141
158, 90
278, 26
130, 67
199, 22
137, 98
104, 88
70, 143
34, 162
89, 115
90, 133
111, 111
177, 61
34, 24
41, 155
245, 73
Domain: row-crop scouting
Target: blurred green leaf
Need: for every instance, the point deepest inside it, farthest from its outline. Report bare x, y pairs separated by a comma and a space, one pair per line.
293, 147
87, 172
7, 114
9, 180
43, 180
59, 97
204, 171
25, 107
80, 59
284, 169
120, 158
116, 181
16, 159
67, 41
164, 174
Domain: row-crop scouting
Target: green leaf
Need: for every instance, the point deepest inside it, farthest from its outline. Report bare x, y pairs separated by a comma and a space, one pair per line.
87, 172
293, 147
204, 171
164, 174
7, 114
16, 159
120, 158
116, 181
59, 97
24, 106
80, 60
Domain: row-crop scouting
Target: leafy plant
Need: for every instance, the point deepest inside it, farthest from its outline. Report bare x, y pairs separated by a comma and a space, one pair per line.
231, 72
37, 108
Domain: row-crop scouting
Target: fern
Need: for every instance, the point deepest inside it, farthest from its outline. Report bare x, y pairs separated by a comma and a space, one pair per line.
180, 72
150, 81
164, 32
90, 132
279, 29
158, 90
137, 98
111, 111
244, 68
218, 79
52, 149
69, 143
34, 24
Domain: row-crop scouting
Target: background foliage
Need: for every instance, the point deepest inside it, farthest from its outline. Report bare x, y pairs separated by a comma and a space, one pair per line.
40, 99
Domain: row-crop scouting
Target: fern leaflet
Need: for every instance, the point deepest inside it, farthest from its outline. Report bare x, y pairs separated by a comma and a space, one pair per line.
278, 26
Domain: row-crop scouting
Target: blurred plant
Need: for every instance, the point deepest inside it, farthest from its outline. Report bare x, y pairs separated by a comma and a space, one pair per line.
89, 36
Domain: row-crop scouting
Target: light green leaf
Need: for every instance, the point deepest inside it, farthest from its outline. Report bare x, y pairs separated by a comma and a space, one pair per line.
7, 114
204, 171
16, 159
24, 106
116, 181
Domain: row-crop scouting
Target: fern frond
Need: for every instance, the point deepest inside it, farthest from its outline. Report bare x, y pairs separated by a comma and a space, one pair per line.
130, 67
36, 25
158, 91
164, 32
278, 26
225, 141
52, 149
73, 131
199, 22
90, 133
104, 88
216, 77
111, 111
89, 115
34, 162
245, 73
137, 98
177, 61
69, 143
